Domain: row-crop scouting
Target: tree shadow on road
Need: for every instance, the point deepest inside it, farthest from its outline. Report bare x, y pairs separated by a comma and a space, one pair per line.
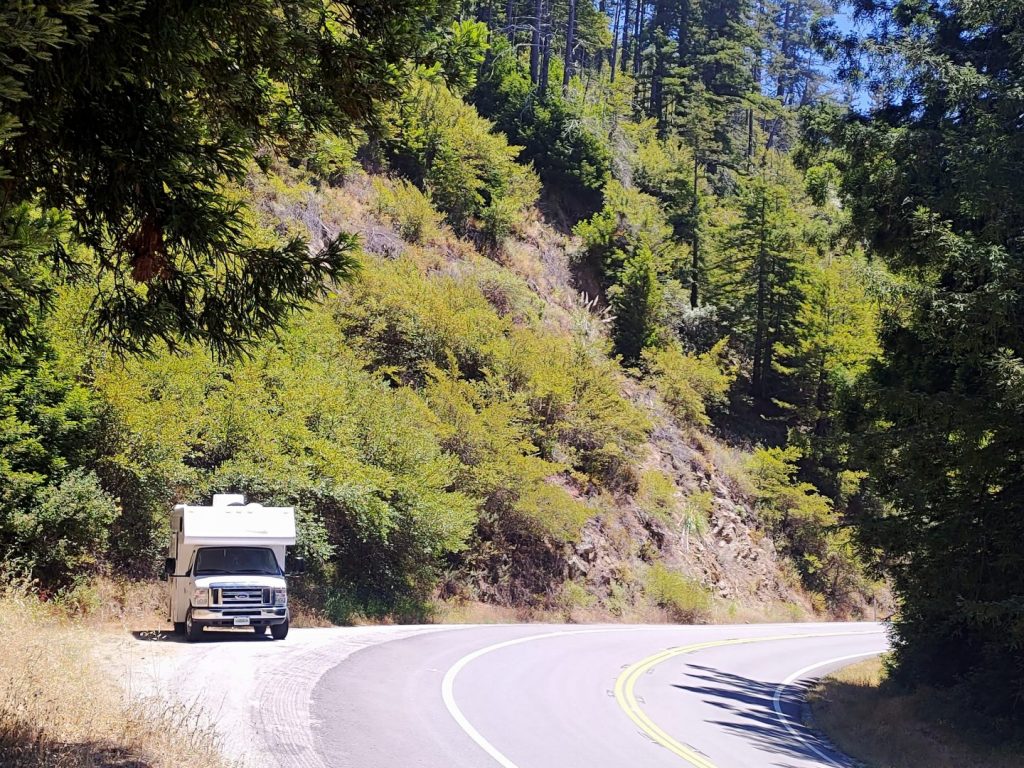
750, 705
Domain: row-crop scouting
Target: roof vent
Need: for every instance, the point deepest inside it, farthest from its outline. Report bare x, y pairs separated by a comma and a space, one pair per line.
228, 499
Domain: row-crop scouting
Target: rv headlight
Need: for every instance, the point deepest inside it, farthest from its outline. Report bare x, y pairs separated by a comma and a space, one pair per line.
201, 597
280, 596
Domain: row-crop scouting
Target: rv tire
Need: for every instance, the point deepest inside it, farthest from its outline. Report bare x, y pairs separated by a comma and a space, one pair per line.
193, 631
279, 631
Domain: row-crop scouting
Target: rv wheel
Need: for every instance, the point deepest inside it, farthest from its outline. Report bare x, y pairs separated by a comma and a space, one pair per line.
192, 631
279, 631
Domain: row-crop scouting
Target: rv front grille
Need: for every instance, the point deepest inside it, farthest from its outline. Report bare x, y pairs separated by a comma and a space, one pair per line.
241, 596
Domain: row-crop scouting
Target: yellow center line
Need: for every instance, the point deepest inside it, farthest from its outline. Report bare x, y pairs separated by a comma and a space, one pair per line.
625, 693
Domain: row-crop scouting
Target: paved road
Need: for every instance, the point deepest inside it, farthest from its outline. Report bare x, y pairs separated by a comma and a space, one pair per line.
527, 696
593, 697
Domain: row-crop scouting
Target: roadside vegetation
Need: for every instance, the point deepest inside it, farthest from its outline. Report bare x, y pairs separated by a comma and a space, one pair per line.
874, 720
60, 708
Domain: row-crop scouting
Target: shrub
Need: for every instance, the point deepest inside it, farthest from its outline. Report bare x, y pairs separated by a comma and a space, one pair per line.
64, 533
409, 209
470, 172
659, 497
628, 219
332, 157
688, 383
636, 301
686, 600
554, 512
697, 511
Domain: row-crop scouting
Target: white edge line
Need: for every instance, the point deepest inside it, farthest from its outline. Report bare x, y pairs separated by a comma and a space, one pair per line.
448, 683
785, 719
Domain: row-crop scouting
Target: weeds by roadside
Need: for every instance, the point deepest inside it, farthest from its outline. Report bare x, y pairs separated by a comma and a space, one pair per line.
59, 709
888, 728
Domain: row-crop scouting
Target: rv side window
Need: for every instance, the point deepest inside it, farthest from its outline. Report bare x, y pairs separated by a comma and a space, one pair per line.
211, 561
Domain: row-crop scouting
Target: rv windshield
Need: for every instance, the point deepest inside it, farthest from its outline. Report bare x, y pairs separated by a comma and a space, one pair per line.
216, 560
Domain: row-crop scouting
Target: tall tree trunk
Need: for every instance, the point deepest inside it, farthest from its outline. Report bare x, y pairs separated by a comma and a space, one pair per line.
760, 330
615, 40
545, 55
510, 21
695, 250
570, 43
637, 35
626, 21
538, 14
750, 138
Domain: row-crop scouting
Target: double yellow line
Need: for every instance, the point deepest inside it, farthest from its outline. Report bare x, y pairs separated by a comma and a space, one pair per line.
625, 693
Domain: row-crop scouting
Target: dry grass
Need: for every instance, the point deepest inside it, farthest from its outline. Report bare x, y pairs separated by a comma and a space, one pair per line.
58, 709
888, 729
734, 612
117, 604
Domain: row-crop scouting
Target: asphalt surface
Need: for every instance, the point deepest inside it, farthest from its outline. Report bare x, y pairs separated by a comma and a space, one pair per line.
594, 697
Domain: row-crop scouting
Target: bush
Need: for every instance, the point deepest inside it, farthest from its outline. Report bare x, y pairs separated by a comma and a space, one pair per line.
659, 497
636, 301
470, 172
408, 209
628, 219
332, 157
686, 600
554, 512
64, 534
690, 383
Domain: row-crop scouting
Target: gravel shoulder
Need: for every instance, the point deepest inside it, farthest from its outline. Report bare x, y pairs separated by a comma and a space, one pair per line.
255, 691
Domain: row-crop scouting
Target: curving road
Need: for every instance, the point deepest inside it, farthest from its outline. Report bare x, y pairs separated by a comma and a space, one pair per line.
521, 696
594, 697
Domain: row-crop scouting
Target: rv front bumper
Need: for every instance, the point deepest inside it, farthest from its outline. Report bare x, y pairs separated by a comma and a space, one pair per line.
225, 617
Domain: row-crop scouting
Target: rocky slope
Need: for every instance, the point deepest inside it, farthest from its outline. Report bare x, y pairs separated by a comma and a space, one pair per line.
720, 543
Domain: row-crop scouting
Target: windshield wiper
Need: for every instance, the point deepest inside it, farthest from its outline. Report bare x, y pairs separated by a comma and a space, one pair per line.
210, 571
259, 571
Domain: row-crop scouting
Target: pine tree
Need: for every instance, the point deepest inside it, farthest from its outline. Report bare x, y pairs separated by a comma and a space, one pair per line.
636, 300
130, 117
934, 186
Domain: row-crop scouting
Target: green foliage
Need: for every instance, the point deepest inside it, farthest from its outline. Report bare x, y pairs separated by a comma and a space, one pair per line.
690, 383
460, 53
300, 423
659, 497
933, 185
331, 157
809, 526
627, 220
63, 535
685, 599
636, 300
408, 209
132, 118
572, 162
441, 143
409, 326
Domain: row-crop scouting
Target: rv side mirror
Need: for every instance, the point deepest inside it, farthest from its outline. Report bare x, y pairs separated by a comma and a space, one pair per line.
298, 567
169, 566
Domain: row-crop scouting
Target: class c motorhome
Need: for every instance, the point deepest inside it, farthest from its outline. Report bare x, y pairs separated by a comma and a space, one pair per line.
226, 566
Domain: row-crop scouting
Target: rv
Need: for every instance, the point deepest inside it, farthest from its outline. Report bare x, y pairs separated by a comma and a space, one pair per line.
226, 566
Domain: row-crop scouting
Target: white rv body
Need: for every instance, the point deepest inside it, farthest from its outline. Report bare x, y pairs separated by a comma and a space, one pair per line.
229, 532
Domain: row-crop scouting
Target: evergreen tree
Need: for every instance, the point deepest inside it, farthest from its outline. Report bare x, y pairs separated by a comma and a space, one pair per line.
759, 280
131, 117
934, 186
636, 300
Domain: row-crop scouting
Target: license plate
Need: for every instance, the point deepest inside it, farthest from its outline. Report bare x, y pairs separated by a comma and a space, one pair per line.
241, 621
